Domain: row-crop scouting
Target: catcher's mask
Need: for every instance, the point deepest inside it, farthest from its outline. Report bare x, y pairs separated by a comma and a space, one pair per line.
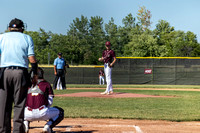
40, 73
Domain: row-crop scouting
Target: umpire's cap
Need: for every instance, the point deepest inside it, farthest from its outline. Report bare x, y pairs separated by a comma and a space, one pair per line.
60, 54
107, 43
16, 23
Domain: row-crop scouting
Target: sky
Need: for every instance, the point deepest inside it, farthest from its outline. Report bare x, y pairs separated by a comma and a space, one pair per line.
57, 15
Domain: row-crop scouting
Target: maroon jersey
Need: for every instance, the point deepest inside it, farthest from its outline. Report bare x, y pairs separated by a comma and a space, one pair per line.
108, 55
101, 73
35, 98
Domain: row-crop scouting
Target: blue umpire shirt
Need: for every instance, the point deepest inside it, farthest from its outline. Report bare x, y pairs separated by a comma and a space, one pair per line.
59, 63
15, 48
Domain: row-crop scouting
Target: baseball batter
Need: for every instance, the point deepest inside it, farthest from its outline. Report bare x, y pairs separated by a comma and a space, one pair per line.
109, 58
39, 99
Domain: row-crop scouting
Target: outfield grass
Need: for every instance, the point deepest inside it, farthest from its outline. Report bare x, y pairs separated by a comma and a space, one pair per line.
134, 86
184, 106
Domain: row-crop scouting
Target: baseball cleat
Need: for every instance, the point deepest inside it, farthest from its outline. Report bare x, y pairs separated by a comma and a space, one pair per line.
26, 126
47, 129
107, 93
111, 92
103, 93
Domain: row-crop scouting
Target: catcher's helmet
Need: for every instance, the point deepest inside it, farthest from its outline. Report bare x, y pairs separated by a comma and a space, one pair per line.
40, 73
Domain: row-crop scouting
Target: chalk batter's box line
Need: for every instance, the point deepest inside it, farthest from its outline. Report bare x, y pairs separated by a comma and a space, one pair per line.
137, 128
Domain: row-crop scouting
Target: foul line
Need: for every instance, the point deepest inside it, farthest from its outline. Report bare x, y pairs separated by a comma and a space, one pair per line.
137, 128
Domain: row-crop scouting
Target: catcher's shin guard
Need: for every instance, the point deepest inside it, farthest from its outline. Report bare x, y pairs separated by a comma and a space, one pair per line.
59, 119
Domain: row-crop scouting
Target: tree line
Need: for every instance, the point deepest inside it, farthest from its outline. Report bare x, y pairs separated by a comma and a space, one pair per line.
85, 40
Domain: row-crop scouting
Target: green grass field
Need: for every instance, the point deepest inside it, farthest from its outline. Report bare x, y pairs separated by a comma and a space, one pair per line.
184, 106
135, 86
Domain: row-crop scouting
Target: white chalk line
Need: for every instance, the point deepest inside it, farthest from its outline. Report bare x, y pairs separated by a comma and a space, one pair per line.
137, 128
68, 129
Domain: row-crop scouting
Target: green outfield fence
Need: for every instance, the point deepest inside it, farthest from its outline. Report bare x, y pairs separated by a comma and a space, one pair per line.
138, 70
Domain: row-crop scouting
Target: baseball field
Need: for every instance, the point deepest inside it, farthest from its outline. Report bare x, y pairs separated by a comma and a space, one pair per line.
131, 109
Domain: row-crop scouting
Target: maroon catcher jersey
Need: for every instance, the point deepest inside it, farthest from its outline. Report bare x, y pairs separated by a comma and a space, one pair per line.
36, 100
108, 55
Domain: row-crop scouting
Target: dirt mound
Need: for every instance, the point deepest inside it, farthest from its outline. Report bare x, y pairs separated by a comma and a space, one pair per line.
114, 95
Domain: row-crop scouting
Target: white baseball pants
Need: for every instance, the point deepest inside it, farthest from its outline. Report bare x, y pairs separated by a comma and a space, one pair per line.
59, 85
108, 73
101, 80
41, 115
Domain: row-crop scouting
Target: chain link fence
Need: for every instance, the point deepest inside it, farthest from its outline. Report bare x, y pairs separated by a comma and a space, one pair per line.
172, 71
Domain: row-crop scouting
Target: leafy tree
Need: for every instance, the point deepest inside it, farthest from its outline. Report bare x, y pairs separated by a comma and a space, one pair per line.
41, 42
59, 43
142, 45
79, 36
113, 36
185, 44
163, 27
144, 17
175, 43
164, 34
126, 32
129, 22
85, 40
97, 40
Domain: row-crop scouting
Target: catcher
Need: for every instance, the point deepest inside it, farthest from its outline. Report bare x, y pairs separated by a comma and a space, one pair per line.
39, 99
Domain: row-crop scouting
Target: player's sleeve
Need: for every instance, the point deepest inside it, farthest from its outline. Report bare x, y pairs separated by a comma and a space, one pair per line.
65, 64
50, 90
113, 54
0, 43
51, 95
55, 62
31, 46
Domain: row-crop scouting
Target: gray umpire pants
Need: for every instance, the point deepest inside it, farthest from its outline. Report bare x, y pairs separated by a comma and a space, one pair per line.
14, 91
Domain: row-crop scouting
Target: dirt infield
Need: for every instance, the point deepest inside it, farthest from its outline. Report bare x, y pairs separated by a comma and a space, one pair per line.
80, 125
87, 125
114, 95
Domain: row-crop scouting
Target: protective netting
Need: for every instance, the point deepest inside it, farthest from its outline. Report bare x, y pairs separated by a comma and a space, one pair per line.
138, 71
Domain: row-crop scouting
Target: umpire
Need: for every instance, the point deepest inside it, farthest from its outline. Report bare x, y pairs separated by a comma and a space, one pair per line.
59, 71
17, 50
